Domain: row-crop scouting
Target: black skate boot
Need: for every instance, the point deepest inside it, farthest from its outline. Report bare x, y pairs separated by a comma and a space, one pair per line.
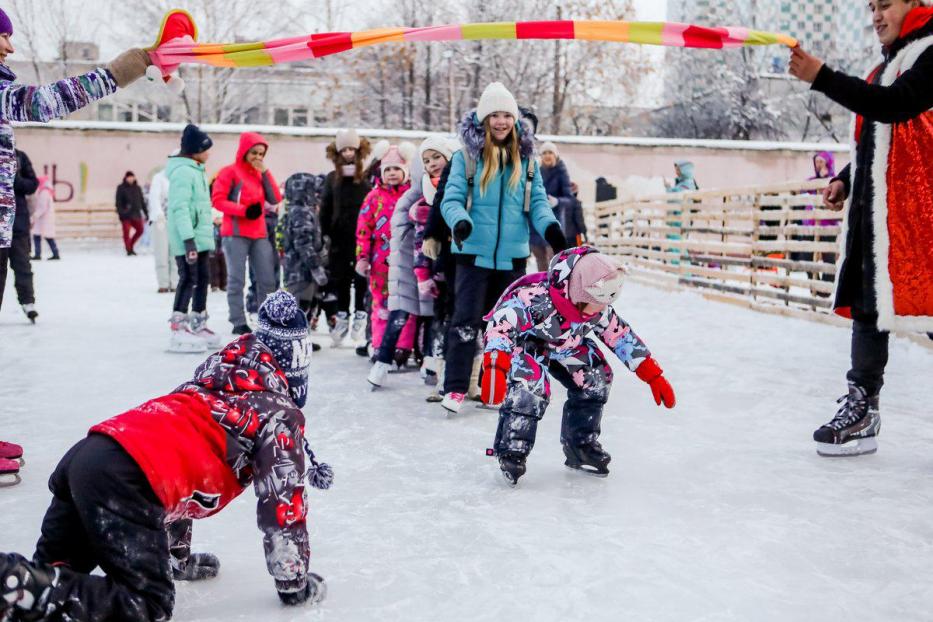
24, 588
590, 458
513, 467
854, 429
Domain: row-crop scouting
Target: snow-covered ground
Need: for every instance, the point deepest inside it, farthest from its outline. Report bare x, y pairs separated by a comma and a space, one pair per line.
719, 510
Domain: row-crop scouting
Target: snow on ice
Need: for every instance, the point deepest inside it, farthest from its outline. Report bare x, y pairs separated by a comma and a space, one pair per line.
719, 510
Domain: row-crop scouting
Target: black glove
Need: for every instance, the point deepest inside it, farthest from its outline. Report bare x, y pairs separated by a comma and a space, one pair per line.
254, 211
554, 236
314, 591
199, 566
191, 252
461, 233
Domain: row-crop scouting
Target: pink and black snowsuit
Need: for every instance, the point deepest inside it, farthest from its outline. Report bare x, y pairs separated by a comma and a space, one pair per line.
546, 335
373, 235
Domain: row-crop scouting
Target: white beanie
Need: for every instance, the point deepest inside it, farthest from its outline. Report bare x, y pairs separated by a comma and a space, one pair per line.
437, 143
549, 146
496, 98
347, 139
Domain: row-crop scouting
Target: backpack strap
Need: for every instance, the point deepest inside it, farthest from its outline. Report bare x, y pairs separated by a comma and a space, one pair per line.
529, 181
470, 170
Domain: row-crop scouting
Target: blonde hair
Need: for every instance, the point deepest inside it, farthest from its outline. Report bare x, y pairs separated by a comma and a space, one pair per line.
495, 157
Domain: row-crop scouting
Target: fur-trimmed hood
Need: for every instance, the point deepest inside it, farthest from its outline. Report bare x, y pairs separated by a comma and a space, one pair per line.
362, 155
473, 136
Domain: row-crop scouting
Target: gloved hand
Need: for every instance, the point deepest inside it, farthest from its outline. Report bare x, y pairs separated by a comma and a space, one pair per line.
313, 591
129, 66
428, 289
496, 366
191, 252
253, 211
554, 236
198, 567
461, 232
650, 373
431, 249
363, 267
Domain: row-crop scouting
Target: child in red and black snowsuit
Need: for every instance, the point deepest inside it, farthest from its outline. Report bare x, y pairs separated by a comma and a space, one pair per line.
125, 496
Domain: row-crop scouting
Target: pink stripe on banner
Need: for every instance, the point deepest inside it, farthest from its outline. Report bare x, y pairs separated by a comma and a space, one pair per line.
673, 35
435, 33
737, 37
293, 51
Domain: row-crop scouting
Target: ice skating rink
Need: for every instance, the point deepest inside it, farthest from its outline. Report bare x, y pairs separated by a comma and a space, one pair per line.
717, 511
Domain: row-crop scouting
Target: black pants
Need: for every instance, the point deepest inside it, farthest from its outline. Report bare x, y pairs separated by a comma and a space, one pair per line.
193, 282
475, 293
396, 324
18, 258
869, 353
37, 243
104, 513
338, 293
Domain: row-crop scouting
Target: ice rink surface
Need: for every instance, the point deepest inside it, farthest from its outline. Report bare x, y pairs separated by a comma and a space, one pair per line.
717, 511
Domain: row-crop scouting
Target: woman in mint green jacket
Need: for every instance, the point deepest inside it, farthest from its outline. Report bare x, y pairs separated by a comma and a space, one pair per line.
494, 195
191, 237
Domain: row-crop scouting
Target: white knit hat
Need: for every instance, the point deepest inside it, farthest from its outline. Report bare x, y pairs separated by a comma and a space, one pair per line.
496, 98
549, 146
347, 139
437, 143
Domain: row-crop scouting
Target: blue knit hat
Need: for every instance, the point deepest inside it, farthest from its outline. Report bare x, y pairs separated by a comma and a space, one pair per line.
283, 328
194, 140
6, 26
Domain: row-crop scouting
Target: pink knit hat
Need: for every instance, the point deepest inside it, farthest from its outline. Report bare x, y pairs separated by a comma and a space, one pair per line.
399, 157
595, 279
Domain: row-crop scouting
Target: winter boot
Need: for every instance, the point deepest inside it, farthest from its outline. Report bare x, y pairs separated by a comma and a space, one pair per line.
379, 374
400, 360
854, 429
30, 311
474, 393
589, 458
339, 328
12, 451
513, 466
9, 476
25, 588
436, 395
314, 591
183, 340
242, 329
197, 322
358, 332
453, 402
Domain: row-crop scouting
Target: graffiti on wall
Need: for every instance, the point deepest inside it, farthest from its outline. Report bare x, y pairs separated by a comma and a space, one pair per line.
64, 190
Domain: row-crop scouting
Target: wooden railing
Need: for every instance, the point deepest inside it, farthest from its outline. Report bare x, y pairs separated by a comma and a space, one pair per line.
771, 248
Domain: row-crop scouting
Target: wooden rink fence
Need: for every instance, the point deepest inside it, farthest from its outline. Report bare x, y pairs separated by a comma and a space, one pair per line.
73, 220
770, 248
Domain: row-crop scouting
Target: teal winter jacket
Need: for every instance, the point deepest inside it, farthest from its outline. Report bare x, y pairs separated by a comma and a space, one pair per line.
189, 206
501, 229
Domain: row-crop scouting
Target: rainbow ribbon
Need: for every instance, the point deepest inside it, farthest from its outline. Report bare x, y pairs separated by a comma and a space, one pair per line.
307, 47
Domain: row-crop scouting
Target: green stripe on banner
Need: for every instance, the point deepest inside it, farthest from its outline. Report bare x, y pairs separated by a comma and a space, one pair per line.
252, 58
497, 30
647, 32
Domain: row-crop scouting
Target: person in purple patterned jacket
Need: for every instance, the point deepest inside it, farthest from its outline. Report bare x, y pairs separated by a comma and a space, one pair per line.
541, 327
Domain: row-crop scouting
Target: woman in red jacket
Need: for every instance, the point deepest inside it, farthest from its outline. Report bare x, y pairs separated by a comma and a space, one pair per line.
242, 191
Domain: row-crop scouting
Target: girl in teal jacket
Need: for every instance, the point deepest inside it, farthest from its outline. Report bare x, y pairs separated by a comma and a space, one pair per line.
493, 196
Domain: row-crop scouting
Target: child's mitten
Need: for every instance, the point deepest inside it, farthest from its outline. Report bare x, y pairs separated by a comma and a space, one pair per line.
653, 375
496, 366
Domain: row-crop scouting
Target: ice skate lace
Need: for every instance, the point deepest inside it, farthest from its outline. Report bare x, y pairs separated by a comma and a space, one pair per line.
853, 408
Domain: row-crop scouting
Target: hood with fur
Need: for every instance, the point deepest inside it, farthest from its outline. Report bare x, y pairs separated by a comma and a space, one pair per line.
362, 154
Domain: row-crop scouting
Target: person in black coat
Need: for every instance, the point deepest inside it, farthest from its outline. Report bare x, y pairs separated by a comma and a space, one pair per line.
885, 279
25, 183
132, 210
560, 190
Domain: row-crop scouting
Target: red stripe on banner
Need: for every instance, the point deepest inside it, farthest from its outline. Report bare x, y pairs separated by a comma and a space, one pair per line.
330, 43
702, 37
544, 30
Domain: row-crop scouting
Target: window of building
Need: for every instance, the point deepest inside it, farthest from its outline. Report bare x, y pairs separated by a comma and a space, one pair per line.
280, 116
164, 113
300, 117
105, 112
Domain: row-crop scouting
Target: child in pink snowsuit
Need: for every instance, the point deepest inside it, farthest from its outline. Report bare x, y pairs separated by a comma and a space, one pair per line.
373, 232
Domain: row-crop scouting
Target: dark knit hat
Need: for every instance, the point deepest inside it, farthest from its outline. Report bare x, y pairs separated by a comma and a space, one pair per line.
6, 26
193, 140
283, 328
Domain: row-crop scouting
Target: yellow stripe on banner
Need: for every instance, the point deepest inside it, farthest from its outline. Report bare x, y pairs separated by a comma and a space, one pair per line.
651, 33
252, 58
589, 30
494, 30
378, 35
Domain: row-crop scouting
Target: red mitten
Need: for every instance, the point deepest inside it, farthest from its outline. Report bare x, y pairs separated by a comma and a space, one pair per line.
496, 366
653, 375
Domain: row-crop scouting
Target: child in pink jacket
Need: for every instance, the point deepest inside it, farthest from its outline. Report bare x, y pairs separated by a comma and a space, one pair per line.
373, 232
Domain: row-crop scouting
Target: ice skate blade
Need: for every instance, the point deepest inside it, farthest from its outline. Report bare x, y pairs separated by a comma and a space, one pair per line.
320, 592
186, 350
587, 471
10, 479
857, 447
482, 406
508, 479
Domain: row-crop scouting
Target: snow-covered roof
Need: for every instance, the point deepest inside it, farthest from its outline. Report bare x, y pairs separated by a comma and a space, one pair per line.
319, 132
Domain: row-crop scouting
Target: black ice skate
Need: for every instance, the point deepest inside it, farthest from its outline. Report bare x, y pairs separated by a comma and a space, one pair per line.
24, 587
590, 458
513, 467
854, 429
